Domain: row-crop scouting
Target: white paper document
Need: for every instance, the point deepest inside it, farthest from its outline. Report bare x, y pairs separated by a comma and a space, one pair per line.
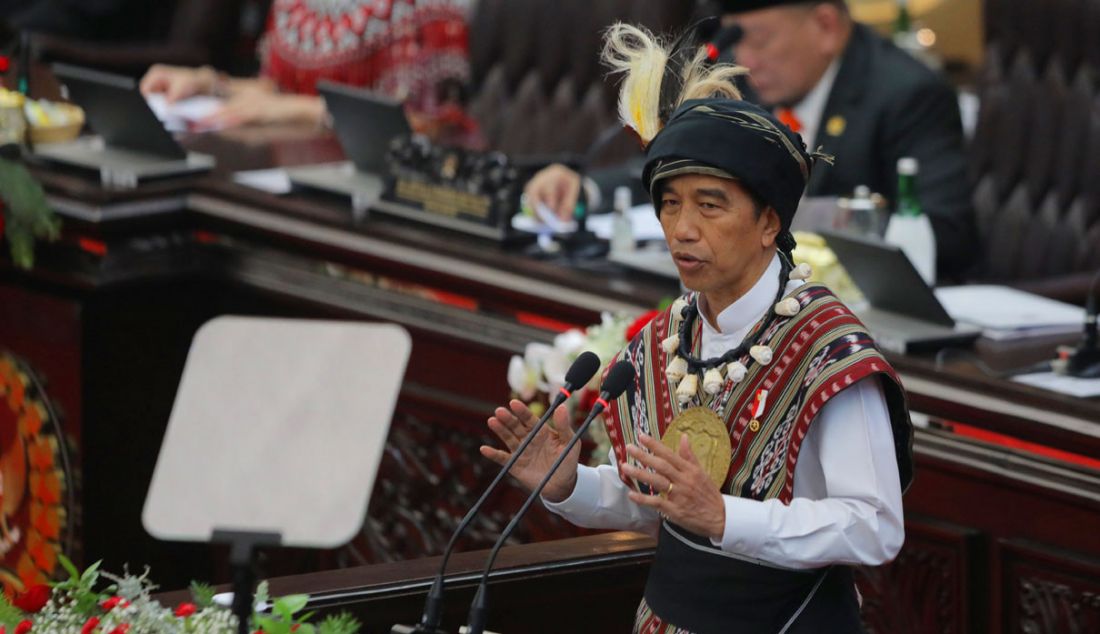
275, 181
1071, 385
1008, 313
185, 115
642, 218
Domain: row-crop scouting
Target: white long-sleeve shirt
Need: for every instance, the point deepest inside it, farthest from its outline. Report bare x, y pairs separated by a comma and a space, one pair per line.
846, 506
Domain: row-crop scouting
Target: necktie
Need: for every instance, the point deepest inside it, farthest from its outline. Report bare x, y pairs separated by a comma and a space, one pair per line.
787, 117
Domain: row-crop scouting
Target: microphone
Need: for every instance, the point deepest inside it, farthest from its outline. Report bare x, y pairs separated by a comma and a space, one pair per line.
1085, 361
582, 244
577, 376
619, 379
725, 38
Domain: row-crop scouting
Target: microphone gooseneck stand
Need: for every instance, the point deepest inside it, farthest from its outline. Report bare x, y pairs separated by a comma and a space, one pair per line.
1085, 361
582, 244
619, 379
582, 370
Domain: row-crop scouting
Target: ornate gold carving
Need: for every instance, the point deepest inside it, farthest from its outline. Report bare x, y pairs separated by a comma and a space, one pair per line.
35, 496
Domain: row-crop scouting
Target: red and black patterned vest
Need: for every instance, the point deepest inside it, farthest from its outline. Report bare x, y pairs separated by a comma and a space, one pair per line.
817, 353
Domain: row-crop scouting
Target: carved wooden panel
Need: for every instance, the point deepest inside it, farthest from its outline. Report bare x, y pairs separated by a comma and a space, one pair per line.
1043, 591
926, 589
431, 474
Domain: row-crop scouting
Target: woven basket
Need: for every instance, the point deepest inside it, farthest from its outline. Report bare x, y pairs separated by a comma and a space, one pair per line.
63, 132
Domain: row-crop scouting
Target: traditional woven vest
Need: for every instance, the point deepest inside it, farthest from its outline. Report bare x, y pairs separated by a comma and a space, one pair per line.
817, 353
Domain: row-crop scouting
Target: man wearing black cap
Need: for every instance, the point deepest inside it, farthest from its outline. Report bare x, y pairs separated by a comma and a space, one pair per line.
766, 440
857, 97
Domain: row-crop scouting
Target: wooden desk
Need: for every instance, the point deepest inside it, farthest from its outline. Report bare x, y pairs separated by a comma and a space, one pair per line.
998, 538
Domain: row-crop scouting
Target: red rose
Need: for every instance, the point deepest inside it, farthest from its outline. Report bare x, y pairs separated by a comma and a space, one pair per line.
185, 610
90, 625
34, 599
111, 603
122, 628
634, 328
23, 627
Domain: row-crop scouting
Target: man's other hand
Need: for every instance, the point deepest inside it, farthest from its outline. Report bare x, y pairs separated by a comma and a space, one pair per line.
555, 186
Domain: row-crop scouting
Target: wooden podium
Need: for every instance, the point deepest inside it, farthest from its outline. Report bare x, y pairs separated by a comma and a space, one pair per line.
581, 584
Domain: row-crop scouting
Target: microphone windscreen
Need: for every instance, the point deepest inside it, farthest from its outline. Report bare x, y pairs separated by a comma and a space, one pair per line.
582, 370
707, 27
619, 379
727, 37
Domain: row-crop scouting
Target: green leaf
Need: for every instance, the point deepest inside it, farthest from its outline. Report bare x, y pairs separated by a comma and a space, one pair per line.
202, 594
68, 565
342, 623
290, 604
262, 595
91, 574
27, 213
10, 616
271, 625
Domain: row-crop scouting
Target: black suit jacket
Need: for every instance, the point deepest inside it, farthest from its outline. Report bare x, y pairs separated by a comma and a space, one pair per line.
885, 105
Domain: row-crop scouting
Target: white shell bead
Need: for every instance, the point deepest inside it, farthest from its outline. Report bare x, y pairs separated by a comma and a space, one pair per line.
676, 369
677, 310
712, 381
670, 344
801, 272
761, 354
788, 307
689, 385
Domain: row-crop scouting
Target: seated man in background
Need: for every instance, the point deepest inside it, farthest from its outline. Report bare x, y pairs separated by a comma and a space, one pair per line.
852, 94
412, 50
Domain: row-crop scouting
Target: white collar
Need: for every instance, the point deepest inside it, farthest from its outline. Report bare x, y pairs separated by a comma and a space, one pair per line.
812, 106
747, 309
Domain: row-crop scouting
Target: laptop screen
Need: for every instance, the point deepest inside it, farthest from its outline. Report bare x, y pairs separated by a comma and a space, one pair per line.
117, 111
365, 123
887, 278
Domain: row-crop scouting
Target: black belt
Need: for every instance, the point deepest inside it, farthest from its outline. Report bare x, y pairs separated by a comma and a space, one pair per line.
695, 586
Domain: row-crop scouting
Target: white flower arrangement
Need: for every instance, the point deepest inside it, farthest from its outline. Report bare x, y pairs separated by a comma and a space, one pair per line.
541, 370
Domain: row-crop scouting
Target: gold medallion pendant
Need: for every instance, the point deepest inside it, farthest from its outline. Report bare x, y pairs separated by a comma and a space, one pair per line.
709, 439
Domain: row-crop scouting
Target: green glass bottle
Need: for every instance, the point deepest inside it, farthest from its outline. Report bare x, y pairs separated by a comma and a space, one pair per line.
908, 203
903, 23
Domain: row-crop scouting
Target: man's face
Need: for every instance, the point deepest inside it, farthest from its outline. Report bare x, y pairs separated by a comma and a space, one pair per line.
786, 49
718, 242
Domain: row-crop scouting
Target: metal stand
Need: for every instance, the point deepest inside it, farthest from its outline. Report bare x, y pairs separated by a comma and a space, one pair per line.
242, 561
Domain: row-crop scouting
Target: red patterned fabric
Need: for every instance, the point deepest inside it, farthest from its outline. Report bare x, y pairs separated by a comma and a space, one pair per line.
404, 48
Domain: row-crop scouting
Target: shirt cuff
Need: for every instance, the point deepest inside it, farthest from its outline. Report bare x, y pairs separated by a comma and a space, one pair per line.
585, 495
746, 526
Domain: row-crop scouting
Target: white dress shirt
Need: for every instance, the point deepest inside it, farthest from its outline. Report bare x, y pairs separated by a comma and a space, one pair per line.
847, 494
812, 106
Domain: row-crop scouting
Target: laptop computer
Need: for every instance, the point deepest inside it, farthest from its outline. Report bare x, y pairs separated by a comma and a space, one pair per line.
132, 141
904, 314
365, 123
